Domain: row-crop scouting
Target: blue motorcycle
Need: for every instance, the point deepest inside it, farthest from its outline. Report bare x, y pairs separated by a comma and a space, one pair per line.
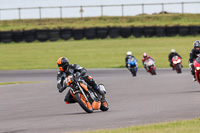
132, 66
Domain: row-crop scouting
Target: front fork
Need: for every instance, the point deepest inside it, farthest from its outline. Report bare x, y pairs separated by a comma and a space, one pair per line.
81, 91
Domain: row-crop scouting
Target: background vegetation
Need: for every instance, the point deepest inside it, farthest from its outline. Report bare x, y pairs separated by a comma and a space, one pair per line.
139, 20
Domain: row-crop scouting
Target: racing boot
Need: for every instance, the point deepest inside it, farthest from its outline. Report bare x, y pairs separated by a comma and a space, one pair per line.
101, 91
194, 78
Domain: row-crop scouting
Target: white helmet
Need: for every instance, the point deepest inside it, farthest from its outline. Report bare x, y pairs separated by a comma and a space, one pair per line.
173, 50
129, 53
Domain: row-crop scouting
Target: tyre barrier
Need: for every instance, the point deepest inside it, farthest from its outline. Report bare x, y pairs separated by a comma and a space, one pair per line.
171, 31
149, 31
30, 35
194, 30
96, 32
113, 32
138, 31
78, 34
102, 33
125, 32
17, 36
42, 35
160, 31
66, 34
54, 34
183, 30
90, 33
6, 36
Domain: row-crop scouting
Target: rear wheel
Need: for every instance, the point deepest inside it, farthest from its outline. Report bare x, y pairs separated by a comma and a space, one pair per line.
83, 103
104, 106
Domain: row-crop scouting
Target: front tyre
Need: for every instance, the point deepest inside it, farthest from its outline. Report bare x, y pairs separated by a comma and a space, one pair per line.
153, 72
178, 68
104, 106
83, 103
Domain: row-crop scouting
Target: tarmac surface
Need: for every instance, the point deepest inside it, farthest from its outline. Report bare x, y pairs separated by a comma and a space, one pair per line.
144, 99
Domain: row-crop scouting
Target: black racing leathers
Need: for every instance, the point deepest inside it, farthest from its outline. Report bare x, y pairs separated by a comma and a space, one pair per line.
171, 55
193, 55
80, 72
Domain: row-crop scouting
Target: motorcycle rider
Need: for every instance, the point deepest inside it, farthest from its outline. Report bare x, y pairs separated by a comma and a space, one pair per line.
129, 56
171, 55
67, 69
146, 57
195, 52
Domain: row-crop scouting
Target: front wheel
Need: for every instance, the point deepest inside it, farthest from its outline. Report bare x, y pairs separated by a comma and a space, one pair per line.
153, 72
83, 103
178, 68
104, 106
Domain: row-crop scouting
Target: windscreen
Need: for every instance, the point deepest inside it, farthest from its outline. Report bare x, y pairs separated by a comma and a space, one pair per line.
198, 59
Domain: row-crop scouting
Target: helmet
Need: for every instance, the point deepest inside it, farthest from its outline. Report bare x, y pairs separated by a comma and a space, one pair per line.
173, 50
144, 55
196, 44
129, 53
63, 63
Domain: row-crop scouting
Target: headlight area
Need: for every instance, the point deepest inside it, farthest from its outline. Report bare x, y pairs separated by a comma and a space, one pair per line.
197, 68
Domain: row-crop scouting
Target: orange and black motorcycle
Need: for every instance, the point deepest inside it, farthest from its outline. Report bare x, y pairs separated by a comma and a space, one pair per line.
88, 98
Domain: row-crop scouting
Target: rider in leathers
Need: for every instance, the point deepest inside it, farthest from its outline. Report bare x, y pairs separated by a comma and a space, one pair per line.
67, 69
171, 55
129, 56
195, 52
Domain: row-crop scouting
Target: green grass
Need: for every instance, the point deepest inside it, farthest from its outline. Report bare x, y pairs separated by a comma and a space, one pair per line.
107, 53
139, 20
189, 126
20, 82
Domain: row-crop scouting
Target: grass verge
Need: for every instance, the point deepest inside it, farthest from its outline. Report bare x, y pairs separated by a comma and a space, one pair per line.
189, 126
139, 20
20, 82
107, 53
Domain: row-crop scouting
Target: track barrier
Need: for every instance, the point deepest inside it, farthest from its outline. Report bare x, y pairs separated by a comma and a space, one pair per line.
43, 35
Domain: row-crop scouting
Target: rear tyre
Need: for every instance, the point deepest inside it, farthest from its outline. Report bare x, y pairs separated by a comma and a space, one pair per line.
104, 106
83, 103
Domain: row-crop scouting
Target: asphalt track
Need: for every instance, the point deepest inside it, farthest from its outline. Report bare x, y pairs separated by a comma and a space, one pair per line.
145, 99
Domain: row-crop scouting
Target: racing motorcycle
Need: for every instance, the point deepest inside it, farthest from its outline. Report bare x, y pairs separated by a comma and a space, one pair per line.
150, 66
88, 98
176, 60
132, 66
197, 68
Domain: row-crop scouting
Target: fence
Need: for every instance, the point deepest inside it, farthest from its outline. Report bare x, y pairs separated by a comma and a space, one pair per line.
97, 10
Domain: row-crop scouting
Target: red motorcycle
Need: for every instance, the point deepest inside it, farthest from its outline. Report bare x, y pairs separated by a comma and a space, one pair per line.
150, 66
176, 60
197, 68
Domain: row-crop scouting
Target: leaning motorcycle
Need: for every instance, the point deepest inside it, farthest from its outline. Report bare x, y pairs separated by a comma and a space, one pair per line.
150, 66
196, 63
88, 98
132, 66
176, 61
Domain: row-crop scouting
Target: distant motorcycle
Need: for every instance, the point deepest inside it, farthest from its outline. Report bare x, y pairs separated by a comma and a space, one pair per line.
197, 68
176, 60
150, 66
132, 66
87, 98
